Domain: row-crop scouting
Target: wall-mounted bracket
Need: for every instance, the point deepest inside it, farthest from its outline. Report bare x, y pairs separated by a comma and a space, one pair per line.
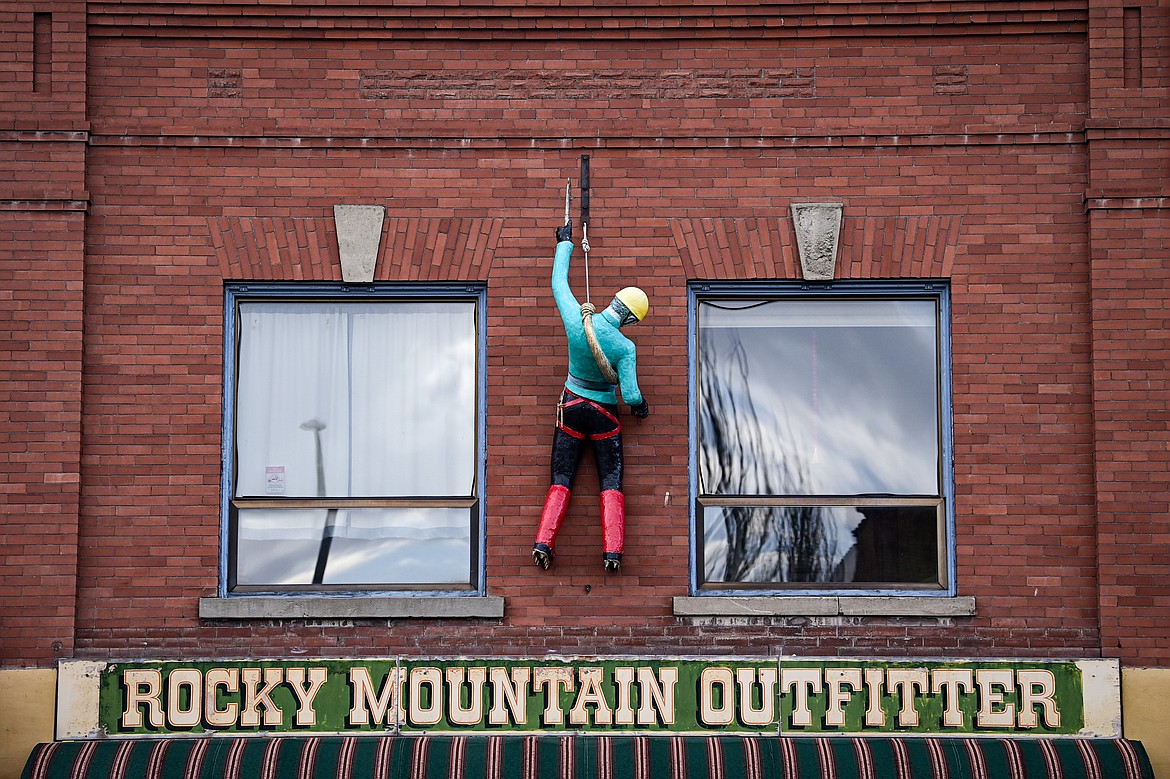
584, 189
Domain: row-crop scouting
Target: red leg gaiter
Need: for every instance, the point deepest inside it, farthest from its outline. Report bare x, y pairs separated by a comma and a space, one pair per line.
613, 521
556, 505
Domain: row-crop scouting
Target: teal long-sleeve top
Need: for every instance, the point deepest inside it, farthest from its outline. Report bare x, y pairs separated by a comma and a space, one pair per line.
619, 349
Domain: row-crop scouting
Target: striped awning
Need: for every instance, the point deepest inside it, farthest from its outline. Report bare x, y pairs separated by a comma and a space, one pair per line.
588, 757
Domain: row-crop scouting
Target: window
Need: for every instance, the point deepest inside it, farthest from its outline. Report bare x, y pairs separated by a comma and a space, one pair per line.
821, 456
353, 427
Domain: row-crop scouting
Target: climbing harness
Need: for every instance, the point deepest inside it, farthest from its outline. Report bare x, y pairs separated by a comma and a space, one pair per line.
569, 400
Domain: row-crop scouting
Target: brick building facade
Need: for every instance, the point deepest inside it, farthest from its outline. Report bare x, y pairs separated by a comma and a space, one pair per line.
1015, 152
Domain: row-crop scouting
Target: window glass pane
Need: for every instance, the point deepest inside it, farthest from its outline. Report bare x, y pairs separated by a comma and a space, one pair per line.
356, 399
382, 546
339, 398
401, 546
820, 544
278, 547
818, 397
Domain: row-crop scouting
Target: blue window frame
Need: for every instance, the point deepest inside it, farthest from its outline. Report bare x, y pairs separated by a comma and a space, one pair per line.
353, 439
821, 438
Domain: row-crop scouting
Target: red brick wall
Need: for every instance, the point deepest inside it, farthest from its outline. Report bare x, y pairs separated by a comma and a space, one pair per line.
1131, 347
962, 146
1025, 466
1129, 156
40, 432
42, 201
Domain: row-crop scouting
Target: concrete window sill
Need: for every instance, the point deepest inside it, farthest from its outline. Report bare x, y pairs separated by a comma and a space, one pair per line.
375, 607
825, 606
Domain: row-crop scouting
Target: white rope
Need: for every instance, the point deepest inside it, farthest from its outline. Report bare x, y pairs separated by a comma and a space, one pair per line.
587, 312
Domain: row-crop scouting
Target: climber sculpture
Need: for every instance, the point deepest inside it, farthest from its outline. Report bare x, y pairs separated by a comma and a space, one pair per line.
601, 359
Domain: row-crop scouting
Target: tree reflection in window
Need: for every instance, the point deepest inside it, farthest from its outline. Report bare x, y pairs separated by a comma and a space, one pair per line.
761, 543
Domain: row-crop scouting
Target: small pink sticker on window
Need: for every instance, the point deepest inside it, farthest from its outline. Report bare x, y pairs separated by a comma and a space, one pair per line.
274, 480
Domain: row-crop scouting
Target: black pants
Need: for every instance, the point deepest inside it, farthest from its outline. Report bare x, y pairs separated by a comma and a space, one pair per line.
581, 421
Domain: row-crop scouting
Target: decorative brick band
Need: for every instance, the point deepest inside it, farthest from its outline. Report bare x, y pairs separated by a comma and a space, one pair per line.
434, 249
870, 247
305, 248
734, 248
897, 247
275, 249
586, 85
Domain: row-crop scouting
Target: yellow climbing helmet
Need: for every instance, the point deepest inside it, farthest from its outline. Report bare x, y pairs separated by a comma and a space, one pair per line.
634, 301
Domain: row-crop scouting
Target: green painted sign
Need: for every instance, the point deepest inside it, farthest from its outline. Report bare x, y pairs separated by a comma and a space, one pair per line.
598, 695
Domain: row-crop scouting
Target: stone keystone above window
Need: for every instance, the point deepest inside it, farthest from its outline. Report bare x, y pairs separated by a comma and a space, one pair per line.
359, 233
817, 227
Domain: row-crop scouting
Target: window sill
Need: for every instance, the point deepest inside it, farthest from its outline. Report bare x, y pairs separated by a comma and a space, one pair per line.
825, 606
358, 607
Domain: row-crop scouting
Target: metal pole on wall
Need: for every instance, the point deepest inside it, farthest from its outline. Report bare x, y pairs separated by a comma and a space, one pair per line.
585, 219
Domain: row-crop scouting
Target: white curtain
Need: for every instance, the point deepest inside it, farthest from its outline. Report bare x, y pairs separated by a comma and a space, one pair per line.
387, 390
414, 401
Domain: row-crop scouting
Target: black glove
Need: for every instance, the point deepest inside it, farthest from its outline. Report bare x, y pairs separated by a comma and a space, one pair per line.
565, 233
642, 410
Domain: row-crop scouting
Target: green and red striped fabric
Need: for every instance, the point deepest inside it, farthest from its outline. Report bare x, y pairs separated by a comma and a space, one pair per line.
588, 757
